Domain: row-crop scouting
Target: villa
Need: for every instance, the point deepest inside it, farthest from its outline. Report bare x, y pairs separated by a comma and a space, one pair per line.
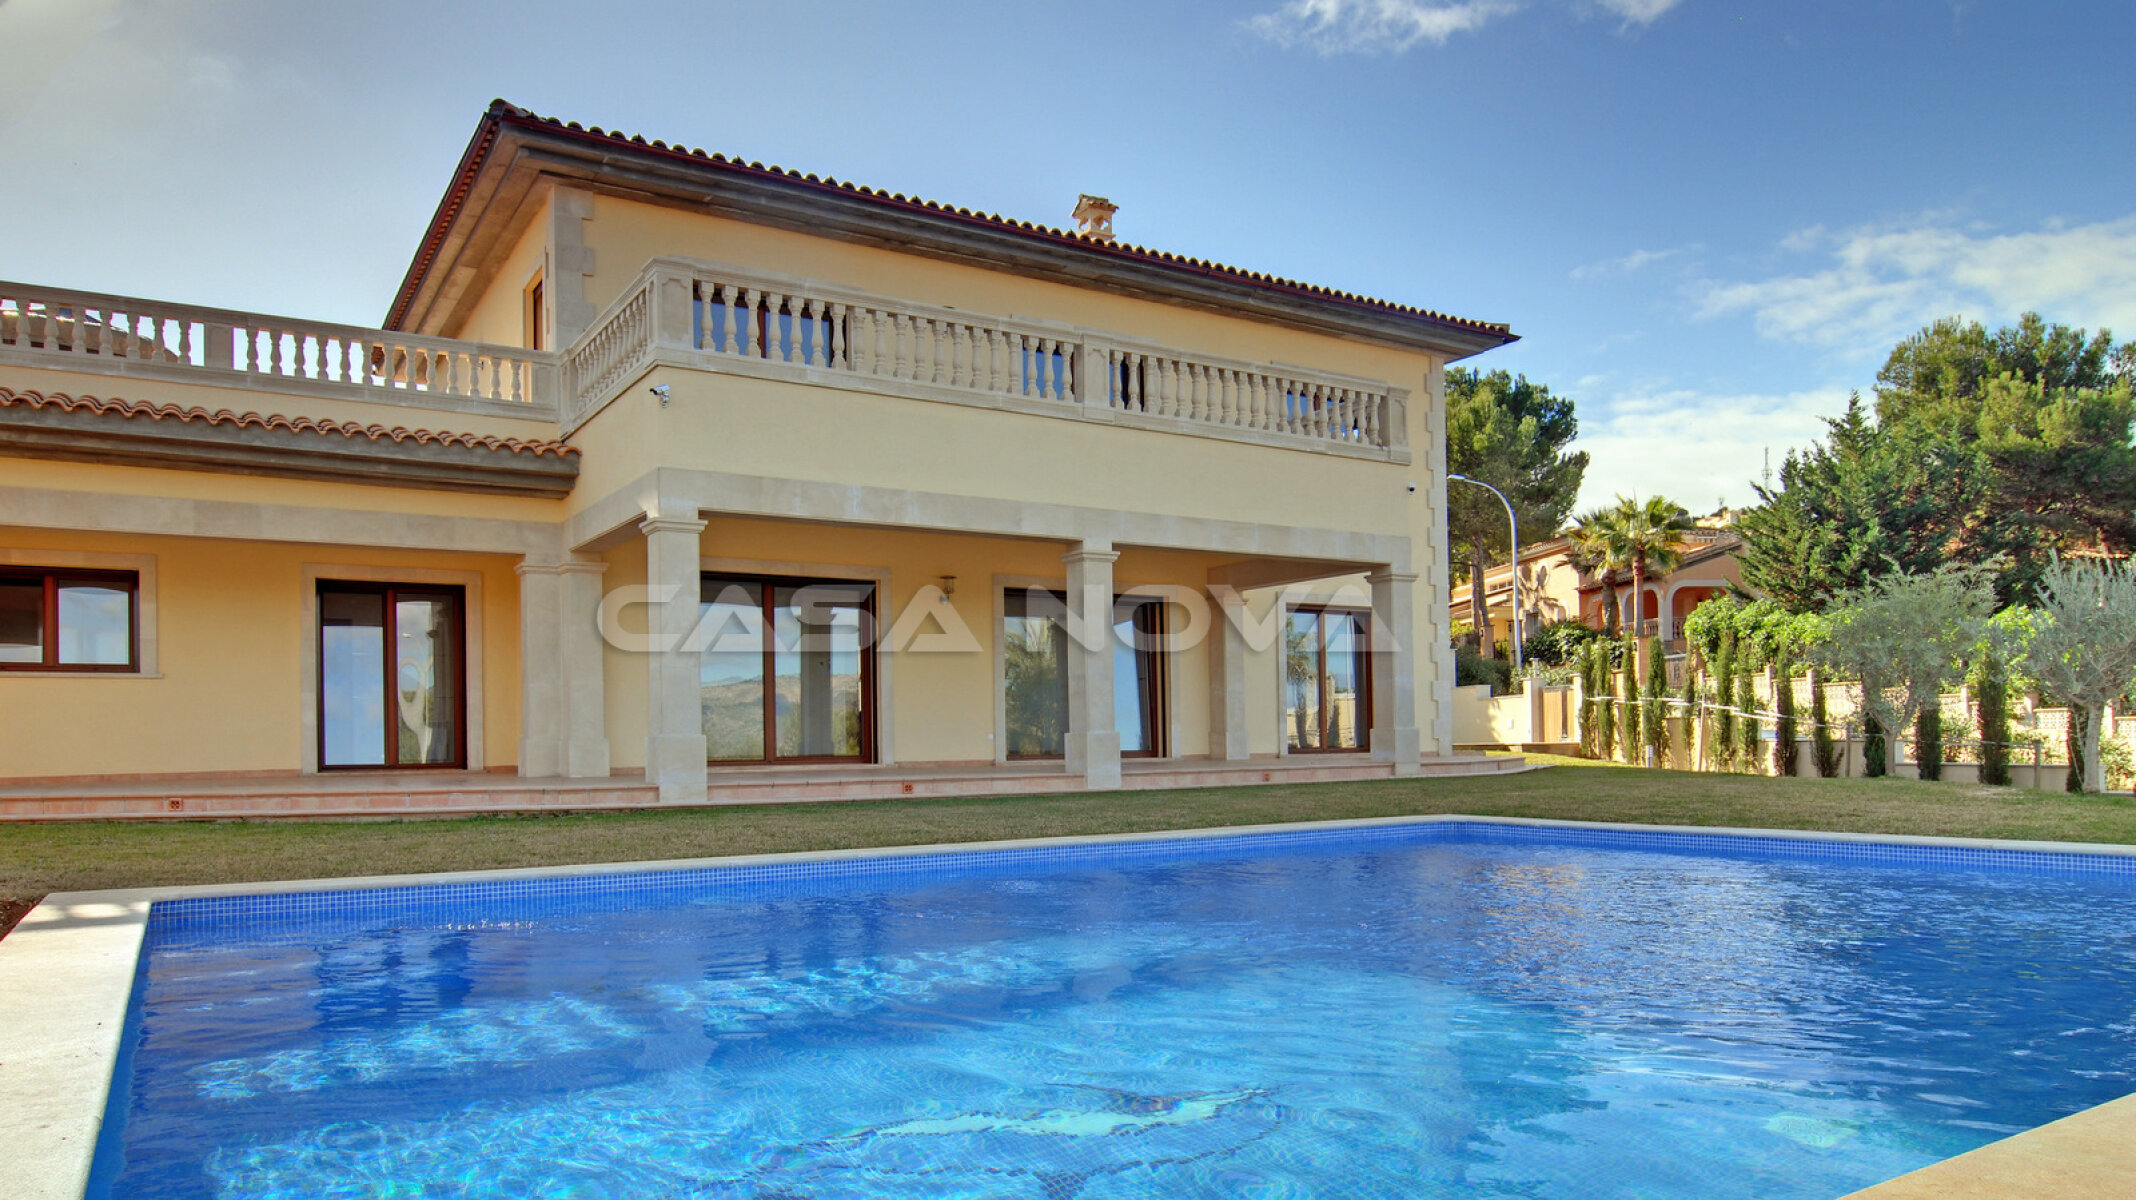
669, 477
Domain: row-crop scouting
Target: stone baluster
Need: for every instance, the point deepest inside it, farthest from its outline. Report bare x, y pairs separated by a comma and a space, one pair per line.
840, 350
752, 333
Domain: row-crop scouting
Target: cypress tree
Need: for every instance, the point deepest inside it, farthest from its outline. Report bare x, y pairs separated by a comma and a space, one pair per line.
1747, 725
1824, 752
1657, 709
1605, 694
1693, 720
1724, 735
1630, 736
1994, 695
1928, 743
1784, 748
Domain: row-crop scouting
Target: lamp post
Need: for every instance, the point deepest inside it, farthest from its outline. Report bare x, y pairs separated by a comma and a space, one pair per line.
1514, 563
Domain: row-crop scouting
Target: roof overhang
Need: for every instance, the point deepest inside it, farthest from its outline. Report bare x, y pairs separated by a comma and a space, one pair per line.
514, 155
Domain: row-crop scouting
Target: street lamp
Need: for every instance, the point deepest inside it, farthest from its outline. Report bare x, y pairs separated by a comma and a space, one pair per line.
1475, 584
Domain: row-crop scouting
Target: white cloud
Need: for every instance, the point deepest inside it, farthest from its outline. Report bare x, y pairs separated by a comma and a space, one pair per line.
1392, 26
1695, 447
1370, 26
1883, 283
1640, 12
1627, 264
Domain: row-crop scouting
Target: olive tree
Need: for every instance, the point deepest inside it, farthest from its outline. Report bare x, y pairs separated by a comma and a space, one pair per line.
1905, 636
2083, 647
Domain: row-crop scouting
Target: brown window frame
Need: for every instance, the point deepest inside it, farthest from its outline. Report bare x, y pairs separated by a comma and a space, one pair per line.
1364, 679
53, 578
870, 710
1157, 703
391, 666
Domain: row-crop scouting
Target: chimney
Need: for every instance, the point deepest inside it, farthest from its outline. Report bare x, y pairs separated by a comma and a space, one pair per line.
1093, 216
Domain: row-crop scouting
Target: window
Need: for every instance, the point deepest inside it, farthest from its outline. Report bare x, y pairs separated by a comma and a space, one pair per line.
1035, 674
69, 620
1326, 680
788, 672
392, 676
535, 314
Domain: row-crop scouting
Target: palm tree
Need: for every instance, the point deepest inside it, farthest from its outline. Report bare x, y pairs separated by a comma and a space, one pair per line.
1639, 535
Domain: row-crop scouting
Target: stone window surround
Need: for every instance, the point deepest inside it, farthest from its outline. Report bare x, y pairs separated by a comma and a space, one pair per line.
880, 578
1059, 583
308, 660
144, 568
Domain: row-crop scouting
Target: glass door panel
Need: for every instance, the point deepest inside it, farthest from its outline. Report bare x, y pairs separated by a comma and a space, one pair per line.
392, 676
787, 670
22, 621
352, 679
1138, 675
1034, 677
817, 633
426, 697
1326, 681
731, 678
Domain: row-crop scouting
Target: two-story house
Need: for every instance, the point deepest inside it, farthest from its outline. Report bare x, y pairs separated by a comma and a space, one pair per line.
670, 476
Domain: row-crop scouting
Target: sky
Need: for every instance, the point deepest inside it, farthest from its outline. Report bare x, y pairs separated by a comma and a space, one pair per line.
1708, 220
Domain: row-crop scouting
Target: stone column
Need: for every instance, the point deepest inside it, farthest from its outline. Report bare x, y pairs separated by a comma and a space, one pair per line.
674, 716
1227, 678
1093, 749
585, 728
541, 678
1394, 671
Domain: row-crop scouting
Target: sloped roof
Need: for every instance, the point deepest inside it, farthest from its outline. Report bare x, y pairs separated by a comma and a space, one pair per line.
503, 118
324, 427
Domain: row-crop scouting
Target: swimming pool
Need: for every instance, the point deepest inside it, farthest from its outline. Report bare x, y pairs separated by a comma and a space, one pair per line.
1417, 1010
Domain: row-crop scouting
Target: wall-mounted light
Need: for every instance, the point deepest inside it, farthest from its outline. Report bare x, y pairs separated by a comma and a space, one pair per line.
949, 587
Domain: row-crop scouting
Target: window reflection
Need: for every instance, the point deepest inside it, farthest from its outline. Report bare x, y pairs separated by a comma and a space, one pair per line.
1325, 673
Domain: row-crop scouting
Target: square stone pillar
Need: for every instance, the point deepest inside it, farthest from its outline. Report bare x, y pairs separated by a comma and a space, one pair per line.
1394, 671
674, 715
585, 729
541, 668
1227, 677
563, 722
1093, 748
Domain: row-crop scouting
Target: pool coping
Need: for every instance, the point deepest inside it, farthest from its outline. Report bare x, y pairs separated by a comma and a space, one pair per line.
69, 966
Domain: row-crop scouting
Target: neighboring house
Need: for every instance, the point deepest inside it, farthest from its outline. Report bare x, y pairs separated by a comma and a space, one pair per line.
1552, 588
666, 466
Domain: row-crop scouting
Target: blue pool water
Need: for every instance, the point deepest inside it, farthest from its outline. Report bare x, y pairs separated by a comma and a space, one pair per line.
1419, 1011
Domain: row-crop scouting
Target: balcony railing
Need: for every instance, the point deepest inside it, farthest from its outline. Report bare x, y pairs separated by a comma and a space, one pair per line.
723, 319
122, 335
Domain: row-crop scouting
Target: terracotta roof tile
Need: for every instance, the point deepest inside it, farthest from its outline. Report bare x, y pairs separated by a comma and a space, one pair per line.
512, 112
323, 427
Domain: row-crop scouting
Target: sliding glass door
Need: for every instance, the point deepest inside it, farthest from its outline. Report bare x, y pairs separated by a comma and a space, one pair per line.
1326, 687
392, 676
1034, 674
789, 670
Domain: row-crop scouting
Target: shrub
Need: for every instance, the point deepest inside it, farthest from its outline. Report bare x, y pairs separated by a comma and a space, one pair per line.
1928, 743
1656, 719
1472, 668
1724, 726
1746, 724
1560, 643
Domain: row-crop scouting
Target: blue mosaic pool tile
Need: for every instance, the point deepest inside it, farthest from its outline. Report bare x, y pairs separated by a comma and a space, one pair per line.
498, 902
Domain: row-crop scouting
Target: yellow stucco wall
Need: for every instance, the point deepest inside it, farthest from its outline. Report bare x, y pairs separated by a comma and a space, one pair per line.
231, 643
499, 315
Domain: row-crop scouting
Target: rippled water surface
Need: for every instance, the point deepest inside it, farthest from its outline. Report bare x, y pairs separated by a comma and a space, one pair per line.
1383, 1016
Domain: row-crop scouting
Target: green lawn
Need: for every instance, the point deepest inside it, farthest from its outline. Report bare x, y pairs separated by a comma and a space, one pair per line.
35, 859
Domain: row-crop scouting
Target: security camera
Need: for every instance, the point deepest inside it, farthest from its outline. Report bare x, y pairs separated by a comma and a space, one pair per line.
661, 390
1412, 489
